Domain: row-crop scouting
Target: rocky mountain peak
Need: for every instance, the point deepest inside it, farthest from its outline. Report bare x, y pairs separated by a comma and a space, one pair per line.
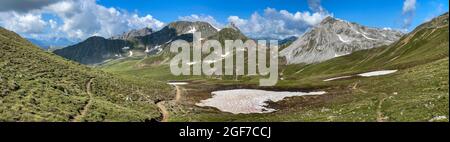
134, 33
333, 38
188, 27
328, 20
233, 26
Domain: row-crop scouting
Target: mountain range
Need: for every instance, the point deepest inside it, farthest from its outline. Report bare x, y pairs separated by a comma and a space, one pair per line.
331, 38
96, 50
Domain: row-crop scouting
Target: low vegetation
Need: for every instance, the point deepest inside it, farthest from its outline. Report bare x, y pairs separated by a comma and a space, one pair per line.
40, 86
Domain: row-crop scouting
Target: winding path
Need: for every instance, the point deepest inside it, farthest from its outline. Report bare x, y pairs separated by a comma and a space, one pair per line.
164, 112
86, 107
178, 95
380, 115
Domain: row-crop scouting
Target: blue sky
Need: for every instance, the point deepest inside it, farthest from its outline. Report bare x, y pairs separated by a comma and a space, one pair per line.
80, 19
374, 13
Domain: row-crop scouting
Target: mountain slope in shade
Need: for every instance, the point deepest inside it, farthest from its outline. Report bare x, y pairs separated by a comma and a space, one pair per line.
95, 50
333, 38
40, 86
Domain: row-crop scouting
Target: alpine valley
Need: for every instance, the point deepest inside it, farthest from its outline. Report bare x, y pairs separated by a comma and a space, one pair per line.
336, 71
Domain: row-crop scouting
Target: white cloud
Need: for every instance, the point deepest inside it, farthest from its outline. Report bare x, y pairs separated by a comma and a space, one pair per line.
24, 5
277, 24
84, 18
30, 23
409, 5
408, 11
236, 20
75, 19
203, 18
147, 21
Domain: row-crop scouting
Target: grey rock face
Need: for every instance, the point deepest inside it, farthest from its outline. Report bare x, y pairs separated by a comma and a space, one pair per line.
185, 27
133, 34
228, 33
177, 30
333, 38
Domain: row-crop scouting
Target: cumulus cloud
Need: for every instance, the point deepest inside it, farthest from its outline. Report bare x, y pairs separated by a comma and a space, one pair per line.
24, 5
277, 24
84, 18
408, 11
203, 18
281, 24
23, 23
75, 19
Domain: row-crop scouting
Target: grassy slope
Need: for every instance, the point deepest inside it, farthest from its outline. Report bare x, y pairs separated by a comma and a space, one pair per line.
40, 86
415, 94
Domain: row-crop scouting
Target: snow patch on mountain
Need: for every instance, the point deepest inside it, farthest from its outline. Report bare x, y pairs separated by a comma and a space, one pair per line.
191, 31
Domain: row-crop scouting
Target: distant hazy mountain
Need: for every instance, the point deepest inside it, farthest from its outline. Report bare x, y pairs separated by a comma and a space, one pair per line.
334, 38
52, 42
133, 34
95, 50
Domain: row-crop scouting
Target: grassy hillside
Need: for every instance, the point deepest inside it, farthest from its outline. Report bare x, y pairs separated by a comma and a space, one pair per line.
40, 86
